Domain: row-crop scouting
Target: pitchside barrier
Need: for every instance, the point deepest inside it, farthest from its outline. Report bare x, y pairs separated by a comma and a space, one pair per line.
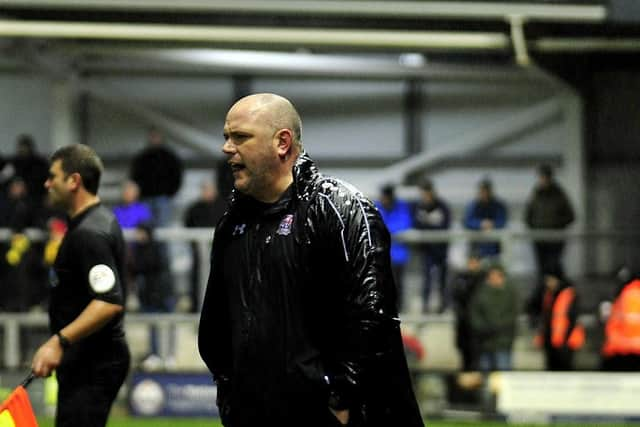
581, 397
15, 328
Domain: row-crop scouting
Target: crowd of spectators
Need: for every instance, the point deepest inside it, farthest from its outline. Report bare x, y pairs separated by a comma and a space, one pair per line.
482, 296
24, 260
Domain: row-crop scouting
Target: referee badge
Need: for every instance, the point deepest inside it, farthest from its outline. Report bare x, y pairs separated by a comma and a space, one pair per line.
101, 278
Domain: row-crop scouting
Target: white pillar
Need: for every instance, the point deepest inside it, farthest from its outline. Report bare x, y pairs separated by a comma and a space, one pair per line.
574, 178
64, 129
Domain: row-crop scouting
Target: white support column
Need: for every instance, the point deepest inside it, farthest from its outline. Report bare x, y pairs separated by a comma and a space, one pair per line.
12, 343
64, 129
574, 177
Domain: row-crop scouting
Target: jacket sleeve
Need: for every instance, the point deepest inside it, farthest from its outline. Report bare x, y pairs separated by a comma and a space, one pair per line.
567, 215
528, 212
446, 223
351, 225
478, 318
214, 339
572, 314
501, 215
471, 221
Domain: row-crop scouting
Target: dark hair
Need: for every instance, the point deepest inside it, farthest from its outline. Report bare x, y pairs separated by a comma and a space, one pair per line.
545, 170
81, 159
486, 184
426, 185
388, 190
25, 141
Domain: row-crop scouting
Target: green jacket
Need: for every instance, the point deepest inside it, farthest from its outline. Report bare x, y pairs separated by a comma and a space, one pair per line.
493, 314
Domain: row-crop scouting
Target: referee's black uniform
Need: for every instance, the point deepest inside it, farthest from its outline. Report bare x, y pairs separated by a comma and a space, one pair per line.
89, 265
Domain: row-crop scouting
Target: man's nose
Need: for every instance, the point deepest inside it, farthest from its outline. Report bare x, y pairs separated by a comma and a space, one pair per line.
228, 147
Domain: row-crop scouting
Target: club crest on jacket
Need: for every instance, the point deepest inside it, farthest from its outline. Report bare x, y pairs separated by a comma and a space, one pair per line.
284, 229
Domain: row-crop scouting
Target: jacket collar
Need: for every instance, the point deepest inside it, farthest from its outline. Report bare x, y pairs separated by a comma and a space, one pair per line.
305, 173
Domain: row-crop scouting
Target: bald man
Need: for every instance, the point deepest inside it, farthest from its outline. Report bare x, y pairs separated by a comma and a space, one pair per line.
299, 325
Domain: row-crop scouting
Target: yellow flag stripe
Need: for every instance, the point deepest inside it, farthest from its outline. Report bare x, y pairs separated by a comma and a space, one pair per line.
6, 420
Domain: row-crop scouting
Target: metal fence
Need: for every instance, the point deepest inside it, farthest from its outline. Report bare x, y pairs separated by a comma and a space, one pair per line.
13, 323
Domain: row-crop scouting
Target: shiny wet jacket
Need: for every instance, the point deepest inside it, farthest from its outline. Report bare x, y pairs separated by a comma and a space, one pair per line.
300, 311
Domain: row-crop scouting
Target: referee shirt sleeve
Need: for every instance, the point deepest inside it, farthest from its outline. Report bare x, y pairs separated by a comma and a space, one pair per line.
98, 267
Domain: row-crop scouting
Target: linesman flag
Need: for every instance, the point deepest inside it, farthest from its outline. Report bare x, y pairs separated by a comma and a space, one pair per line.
16, 410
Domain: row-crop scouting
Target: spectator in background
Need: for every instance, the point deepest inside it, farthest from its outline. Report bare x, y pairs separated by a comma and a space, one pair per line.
561, 334
621, 348
149, 268
548, 208
463, 286
396, 214
493, 315
23, 273
32, 168
158, 172
5, 173
486, 213
432, 213
131, 211
17, 254
206, 211
17, 211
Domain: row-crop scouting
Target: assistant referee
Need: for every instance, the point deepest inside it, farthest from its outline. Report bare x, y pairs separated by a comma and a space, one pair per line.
87, 348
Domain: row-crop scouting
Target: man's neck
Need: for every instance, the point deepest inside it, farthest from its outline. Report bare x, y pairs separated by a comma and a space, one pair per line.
278, 190
82, 203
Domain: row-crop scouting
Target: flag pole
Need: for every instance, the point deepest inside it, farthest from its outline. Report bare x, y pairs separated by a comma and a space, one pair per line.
25, 383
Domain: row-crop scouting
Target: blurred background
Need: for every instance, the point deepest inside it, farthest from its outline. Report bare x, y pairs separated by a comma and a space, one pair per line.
502, 132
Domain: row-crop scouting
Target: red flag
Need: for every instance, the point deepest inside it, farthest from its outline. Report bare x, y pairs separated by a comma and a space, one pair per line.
16, 410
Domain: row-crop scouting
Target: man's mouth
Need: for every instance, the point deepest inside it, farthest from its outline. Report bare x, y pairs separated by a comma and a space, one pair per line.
236, 167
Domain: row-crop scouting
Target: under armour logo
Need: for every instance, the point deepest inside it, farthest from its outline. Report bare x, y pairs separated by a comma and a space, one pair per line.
239, 229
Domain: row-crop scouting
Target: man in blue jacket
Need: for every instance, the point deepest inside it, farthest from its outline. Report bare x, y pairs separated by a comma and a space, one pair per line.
396, 214
485, 213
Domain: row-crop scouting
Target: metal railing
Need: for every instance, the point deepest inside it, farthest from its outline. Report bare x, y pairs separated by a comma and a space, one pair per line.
12, 323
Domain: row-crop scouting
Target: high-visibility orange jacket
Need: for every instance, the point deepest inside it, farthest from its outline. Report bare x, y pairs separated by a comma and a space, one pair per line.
622, 331
562, 328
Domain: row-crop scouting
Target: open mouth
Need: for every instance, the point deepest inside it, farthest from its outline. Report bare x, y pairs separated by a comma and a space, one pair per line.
236, 167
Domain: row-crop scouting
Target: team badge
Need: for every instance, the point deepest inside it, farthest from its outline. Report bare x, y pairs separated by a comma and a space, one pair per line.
284, 229
239, 229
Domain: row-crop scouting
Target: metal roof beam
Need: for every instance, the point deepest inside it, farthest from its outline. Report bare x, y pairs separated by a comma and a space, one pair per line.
574, 12
258, 36
477, 140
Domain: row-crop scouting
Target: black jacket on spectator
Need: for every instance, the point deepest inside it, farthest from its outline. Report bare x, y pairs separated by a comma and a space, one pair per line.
158, 171
34, 171
549, 208
150, 269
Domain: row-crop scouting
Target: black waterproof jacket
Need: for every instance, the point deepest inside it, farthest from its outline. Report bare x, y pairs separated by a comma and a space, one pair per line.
300, 311
549, 208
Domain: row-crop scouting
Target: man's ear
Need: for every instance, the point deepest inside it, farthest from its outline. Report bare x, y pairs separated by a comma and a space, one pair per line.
284, 142
76, 180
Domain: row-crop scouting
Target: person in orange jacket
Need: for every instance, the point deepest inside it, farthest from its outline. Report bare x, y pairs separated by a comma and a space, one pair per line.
621, 347
561, 334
